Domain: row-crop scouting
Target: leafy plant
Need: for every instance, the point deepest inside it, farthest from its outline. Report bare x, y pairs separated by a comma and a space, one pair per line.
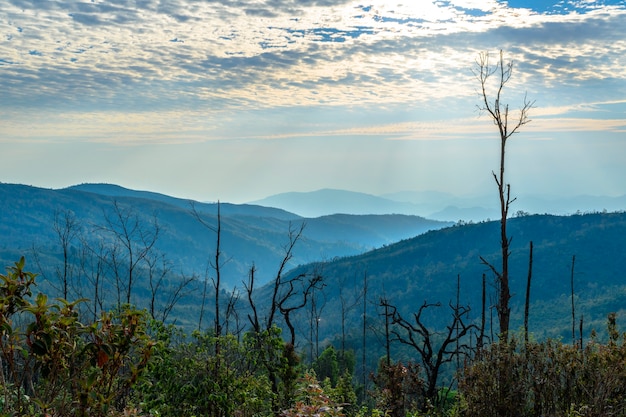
53, 364
312, 401
547, 378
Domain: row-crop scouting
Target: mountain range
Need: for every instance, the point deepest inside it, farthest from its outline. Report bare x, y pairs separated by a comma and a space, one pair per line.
251, 234
404, 259
432, 204
586, 248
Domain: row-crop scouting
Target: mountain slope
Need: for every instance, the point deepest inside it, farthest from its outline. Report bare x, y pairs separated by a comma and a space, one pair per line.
250, 234
425, 268
113, 190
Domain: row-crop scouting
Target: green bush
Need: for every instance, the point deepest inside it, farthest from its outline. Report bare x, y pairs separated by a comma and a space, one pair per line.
52, 364
546, 379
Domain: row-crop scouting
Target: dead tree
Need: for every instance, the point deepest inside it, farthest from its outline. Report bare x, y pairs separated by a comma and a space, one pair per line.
93, 267
315, 317
232, 313
284, 289
288, 294
573, 305
165, 290
433, 354
483, 301
303, 286
135, 240
389, 316
216, 265
278, 296
364, 335
527, 305
496, 76
347, 304
67, 228
249, 286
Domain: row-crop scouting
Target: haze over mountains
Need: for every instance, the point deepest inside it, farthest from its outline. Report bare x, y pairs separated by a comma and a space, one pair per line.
251, 234
433, 204
406, 257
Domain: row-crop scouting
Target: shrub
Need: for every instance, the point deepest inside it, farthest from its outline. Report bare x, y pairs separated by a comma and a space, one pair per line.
53, 364
547, 378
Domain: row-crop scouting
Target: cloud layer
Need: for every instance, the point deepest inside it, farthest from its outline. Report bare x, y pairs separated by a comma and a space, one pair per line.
133, 72
131, 54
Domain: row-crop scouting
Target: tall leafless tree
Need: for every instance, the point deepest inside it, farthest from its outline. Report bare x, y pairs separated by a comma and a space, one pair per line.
348, 302
134, 240
318, 302
285, 290
493, 77
232, 314
249, 286
483, 302
217, 267
93, 267
67, 228
528, 281
364, 335
388, 313
288, 294
573, 305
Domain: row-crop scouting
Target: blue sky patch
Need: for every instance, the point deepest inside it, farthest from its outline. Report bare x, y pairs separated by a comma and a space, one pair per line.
561, 7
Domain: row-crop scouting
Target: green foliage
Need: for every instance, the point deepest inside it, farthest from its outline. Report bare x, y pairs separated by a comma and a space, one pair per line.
547, 378
312, 401
327, 365
53, 364
335, 369
217, 376
342, 393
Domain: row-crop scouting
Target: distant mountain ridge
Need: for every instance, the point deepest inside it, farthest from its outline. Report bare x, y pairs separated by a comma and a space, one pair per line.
432, 204
250, 234
413, 259
331, 201
113, 190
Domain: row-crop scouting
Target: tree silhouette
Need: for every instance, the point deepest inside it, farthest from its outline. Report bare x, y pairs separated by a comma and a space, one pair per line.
433, 354
496, 76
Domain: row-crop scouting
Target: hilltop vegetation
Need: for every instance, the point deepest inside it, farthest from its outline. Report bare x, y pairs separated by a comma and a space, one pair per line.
410, 271
162, 345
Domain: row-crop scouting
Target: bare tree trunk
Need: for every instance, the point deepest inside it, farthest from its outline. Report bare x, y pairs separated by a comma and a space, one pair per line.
137, 241
434, 348
218, 278
254, 319
527, 306
573, 305
388, 315
580, 330
483, 318
456, 308
364, 339
67, 228
217, 268
205, 283
499, 114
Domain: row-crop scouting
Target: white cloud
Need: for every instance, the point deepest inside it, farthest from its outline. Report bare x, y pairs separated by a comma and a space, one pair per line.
134, 52
141, 72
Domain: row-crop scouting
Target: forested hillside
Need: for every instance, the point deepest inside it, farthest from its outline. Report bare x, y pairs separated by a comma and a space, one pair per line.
31, 219
393, 330
426, 268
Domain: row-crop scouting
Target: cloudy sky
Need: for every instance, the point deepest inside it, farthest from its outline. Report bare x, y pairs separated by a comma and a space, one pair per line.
237, 100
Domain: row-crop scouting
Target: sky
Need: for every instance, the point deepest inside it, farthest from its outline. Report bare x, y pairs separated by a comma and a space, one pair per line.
237, 100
